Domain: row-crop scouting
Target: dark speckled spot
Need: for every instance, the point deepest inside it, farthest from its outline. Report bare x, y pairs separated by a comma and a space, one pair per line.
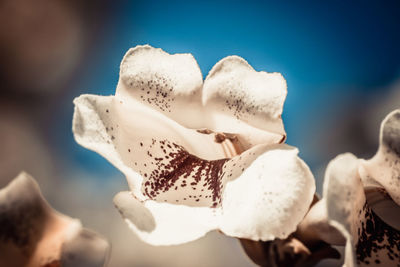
178, 169
153, 90
374, 237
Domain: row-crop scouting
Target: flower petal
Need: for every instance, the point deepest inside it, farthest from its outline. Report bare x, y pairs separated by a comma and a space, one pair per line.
244, 101
270, 198
33, 234
315, 226
96, 248
164, 82
164, 223
369, 239
384, 167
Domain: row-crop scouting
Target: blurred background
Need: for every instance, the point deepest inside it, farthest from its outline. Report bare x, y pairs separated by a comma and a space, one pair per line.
341, 61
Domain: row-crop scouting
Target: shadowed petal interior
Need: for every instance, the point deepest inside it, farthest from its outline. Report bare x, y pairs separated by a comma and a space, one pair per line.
384, 167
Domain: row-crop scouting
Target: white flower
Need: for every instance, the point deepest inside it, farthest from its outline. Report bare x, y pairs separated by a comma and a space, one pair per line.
361, 200
33, 234
197, 156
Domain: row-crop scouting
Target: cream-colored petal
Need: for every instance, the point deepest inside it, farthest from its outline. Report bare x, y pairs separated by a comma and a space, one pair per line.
270, 198
345, 199
384, 167
244, 101
370, 241
93, 129
33, 234
164, 223
170, 84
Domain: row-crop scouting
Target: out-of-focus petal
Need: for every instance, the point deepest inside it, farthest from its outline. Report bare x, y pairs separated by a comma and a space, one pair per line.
84, 248
315, 227
370, 241
384, 167
33, 234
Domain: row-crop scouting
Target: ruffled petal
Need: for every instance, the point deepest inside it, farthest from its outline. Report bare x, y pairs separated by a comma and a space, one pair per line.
164, 223
270, 198
384, 167
33, 234
243, 101
170, 84
370, 241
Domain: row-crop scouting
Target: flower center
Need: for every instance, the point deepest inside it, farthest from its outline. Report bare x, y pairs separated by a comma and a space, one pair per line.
229, 142
182, 178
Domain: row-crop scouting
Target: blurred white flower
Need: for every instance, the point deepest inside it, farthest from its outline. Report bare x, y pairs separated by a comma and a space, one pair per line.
197, 156
361, 200
33, 234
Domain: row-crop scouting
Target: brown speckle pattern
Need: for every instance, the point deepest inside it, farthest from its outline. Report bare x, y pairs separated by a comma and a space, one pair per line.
154, 90
378, 243
178, 170
238, 107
